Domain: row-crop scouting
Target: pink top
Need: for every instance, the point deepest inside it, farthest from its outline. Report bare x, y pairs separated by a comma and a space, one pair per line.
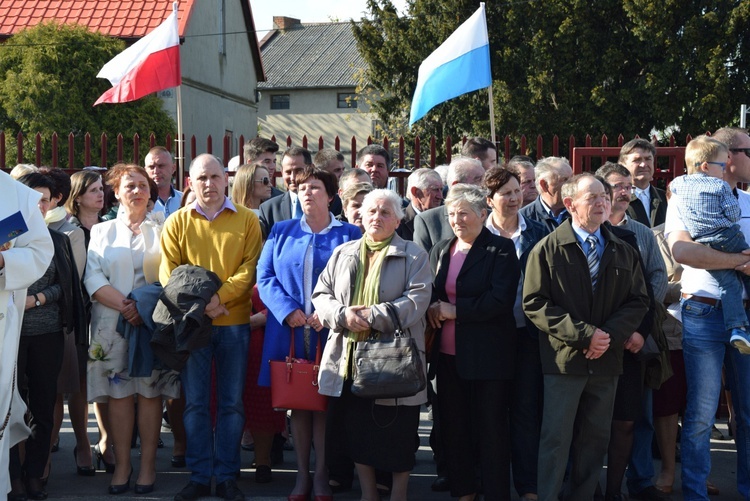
448, 336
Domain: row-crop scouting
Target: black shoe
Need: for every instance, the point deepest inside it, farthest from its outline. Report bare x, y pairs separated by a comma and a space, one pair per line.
193, 490
108, 467
263, 474
35, 489
178, 461
84, 471
440, 485
650, 493
143, 489
228, 490
121, 488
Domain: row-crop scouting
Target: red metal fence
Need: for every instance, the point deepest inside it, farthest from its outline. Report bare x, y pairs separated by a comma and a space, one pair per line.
406, 155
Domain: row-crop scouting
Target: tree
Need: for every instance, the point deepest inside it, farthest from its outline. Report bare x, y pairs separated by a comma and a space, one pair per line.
48, 84
568, 66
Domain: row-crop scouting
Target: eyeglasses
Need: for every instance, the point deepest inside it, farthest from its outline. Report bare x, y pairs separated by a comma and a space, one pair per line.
624, 187
265, 181
746, 151
723, 165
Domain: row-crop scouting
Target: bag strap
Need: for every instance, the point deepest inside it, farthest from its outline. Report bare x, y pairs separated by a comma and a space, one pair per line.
393, 313
318, 349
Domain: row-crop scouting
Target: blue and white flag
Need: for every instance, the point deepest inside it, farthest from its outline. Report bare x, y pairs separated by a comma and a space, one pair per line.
460, 65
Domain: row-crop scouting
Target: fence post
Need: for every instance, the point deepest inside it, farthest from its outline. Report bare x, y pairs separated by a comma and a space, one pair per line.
87, 149
19, 145
320, 143
524, 149
54, 162
539, 146
103, 148
304, 142
417, 146
242, 149
136, 148
38, 146
401, 152
337, 144
354, 151
120, 147
448, 149
604, 145
571, 146
71, 151
2, 149
433, 151
506, 142
555, 146
210, 145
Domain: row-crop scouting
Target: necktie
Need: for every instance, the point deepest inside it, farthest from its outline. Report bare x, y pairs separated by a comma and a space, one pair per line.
296, 210
592, 257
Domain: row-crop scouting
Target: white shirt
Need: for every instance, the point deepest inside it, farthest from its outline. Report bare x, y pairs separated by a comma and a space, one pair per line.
696, 281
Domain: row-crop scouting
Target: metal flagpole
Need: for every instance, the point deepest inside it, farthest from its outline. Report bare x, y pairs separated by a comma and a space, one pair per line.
180, 142
492, 119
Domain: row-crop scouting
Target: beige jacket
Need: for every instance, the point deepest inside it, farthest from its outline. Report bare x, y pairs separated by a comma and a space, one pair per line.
405, 282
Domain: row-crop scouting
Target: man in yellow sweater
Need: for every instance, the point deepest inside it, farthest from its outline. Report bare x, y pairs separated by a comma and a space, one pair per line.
217, 235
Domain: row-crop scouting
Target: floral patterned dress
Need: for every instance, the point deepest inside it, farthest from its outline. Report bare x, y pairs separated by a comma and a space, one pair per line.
125, 261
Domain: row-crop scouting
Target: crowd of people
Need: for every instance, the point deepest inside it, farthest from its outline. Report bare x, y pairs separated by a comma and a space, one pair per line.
565, 322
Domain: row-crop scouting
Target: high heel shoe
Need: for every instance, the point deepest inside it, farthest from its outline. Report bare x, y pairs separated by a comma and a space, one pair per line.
108, 467
299, 497
84, 471
143, 489
122, 488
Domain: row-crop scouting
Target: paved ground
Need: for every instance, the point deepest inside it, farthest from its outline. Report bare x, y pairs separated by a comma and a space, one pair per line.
65, 484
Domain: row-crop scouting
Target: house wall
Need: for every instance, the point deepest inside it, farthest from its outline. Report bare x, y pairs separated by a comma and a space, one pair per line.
313, 112
218, 90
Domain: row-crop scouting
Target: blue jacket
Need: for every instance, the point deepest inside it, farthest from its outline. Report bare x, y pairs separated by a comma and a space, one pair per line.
281, 288
141, 359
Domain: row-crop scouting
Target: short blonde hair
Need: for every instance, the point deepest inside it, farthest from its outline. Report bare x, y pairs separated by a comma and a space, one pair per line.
702, 149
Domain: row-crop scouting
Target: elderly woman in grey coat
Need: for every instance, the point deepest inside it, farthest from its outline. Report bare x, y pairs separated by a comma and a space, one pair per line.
350, 298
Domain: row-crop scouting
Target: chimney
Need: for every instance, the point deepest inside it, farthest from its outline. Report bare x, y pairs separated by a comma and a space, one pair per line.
284, 23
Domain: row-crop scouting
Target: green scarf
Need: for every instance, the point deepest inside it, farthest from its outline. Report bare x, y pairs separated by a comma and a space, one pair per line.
366, 288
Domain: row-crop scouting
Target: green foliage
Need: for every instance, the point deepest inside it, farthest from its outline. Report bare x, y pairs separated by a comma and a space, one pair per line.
568, 67
48, 84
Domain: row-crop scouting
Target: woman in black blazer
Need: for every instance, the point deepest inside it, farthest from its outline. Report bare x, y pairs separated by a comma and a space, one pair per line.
476, 279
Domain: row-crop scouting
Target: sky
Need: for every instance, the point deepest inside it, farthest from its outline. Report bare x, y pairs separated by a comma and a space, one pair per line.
309, 11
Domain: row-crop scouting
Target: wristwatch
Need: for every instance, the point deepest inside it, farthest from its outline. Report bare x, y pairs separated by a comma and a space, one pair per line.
37, 303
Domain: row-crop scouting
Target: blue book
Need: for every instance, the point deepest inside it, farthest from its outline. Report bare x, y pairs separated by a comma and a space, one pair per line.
11, 227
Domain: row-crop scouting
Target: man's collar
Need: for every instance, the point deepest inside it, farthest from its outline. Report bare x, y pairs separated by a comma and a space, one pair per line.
226, 205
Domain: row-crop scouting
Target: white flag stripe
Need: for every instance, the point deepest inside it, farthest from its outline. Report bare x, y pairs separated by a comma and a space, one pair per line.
471, 35
162, 37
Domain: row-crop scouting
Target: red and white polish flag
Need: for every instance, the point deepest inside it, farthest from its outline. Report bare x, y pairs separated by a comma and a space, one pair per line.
149, 65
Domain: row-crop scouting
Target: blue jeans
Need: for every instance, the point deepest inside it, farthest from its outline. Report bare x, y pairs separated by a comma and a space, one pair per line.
705, 342
640, 470
215, 451
730, 281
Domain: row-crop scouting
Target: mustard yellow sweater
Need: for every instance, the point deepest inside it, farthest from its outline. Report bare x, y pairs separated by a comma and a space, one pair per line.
229, 246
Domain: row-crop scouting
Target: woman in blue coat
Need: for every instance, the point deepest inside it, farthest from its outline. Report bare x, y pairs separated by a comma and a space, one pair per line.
293, 257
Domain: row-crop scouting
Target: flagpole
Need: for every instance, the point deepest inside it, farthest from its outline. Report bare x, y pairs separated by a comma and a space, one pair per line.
492, 118
180, 141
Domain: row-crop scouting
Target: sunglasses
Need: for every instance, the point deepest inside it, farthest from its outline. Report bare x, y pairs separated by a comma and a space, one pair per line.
265, 181
746, 151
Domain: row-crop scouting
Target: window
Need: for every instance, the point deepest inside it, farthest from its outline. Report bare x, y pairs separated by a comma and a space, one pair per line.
280, 102
347, 100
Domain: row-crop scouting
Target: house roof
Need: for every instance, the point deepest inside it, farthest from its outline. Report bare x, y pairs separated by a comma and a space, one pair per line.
311, 55
125, 19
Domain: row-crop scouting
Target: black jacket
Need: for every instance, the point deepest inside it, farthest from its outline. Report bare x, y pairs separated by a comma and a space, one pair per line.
486, 292
181, 323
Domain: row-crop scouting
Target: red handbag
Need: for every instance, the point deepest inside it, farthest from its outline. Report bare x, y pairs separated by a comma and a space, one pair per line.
294, 382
